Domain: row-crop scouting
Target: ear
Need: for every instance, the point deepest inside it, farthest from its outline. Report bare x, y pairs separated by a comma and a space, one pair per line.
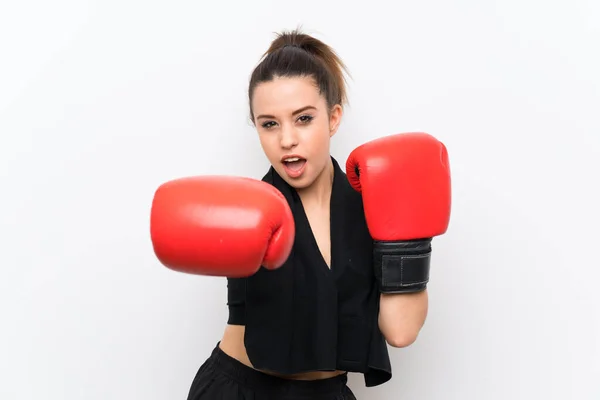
335, 119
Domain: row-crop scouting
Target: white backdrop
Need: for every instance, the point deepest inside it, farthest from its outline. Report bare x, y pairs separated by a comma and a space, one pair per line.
101, 101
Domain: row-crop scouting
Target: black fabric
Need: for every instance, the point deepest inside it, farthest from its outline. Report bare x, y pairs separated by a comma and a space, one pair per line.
222, 377
305, 316
236, 301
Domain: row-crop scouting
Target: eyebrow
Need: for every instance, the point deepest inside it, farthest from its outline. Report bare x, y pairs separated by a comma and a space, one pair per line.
298, 111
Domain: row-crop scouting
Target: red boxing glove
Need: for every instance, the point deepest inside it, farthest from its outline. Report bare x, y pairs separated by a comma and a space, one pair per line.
220, 226
406, 188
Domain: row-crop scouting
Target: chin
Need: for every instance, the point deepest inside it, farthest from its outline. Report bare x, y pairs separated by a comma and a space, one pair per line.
300, 183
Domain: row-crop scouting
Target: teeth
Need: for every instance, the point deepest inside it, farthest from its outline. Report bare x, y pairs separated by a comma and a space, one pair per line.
292, 159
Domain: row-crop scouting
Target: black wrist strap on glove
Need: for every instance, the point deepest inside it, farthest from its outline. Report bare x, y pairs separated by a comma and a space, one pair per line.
402, 267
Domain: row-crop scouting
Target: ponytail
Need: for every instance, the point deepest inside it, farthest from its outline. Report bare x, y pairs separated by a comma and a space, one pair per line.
294, 53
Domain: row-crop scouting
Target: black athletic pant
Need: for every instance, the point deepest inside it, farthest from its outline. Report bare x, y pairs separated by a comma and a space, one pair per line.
222, 377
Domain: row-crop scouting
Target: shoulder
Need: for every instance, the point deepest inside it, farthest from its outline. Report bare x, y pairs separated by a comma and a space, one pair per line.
344, 193
268, 176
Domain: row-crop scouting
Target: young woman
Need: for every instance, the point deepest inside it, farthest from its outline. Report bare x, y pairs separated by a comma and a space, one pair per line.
317, 311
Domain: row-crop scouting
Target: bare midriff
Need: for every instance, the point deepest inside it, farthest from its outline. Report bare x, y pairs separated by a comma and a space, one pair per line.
232, 344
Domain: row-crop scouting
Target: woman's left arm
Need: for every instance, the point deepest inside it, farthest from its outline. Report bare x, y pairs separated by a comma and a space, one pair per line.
401, 317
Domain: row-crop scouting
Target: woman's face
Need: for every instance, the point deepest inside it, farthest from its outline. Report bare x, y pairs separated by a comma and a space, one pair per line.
294, 127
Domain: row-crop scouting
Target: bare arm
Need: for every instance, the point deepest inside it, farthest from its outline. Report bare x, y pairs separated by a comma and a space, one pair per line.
401, 317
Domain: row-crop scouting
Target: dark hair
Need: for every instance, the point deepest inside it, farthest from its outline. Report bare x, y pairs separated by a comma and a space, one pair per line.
293, 53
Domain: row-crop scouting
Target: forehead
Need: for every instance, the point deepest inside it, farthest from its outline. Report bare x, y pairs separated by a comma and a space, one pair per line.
286, 95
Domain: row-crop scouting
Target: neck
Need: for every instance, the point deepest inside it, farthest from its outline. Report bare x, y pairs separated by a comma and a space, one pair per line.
319, 193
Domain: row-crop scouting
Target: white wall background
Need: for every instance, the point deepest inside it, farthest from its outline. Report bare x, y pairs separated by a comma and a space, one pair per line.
101, 101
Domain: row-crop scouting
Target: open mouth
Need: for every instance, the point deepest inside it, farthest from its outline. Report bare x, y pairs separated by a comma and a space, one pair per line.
294, 166
294, 163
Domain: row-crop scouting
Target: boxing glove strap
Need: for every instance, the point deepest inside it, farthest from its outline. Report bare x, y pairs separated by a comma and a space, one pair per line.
402, 267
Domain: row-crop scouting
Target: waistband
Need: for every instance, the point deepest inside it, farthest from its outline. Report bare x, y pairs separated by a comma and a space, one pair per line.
260, 381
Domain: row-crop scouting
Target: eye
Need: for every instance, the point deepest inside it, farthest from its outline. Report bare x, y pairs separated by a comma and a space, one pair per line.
305, 119
268, 124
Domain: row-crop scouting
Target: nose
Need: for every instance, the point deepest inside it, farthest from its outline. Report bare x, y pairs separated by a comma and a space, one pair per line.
288, 137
